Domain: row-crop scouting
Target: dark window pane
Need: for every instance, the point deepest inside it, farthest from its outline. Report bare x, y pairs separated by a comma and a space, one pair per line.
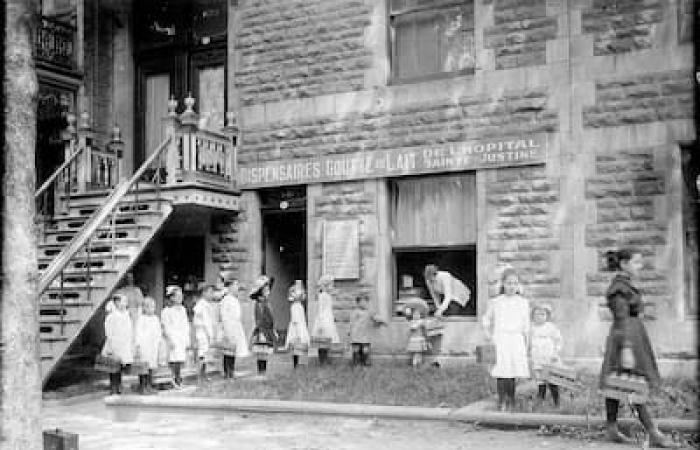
432, 41
459, 262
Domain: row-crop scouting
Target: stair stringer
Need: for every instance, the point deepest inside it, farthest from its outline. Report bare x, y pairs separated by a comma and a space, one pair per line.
134, 252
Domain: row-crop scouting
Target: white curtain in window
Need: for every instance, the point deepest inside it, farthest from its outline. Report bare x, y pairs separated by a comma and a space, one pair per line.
435, 211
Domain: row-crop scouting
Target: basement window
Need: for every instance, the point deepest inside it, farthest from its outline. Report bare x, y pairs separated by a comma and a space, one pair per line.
431, 39
434, 222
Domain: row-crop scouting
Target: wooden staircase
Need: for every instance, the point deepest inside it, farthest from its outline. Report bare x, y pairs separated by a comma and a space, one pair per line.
97, 222
87, 280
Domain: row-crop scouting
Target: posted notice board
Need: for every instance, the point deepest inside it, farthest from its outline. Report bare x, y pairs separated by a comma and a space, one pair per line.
341, 249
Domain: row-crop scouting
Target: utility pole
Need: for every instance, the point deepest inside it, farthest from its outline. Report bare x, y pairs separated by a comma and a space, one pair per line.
20, 379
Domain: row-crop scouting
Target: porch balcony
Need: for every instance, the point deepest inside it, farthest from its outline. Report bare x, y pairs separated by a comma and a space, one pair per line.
192, 166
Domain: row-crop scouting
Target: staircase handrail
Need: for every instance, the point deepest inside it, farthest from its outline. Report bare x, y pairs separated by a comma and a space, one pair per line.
57, 172
94, 222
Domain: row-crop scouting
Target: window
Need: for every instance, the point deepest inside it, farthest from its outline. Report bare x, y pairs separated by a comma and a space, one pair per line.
431, 38
434, 222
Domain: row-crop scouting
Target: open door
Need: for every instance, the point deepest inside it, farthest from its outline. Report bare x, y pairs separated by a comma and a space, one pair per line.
284, 238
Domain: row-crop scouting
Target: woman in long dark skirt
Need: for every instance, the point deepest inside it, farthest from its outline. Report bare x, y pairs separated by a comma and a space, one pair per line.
627, 348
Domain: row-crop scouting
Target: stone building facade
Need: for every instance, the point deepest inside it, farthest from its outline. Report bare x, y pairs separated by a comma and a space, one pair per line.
609, 87
467, 133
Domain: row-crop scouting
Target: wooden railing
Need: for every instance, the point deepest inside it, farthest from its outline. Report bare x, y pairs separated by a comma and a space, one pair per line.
86, 167
106, 215
53, 194
199, 154
55, 43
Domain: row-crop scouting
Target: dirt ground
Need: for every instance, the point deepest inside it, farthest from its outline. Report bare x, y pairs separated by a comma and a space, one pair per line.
97, 429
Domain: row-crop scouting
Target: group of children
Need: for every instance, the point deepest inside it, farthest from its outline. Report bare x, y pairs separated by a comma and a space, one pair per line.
525, 339
143, 342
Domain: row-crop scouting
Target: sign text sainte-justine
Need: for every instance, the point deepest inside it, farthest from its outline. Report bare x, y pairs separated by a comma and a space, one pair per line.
396, 162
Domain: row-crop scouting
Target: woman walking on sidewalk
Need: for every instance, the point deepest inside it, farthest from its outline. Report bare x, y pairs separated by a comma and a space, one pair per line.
627, 348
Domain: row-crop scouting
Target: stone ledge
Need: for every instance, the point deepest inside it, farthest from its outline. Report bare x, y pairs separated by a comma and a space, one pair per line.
127, 408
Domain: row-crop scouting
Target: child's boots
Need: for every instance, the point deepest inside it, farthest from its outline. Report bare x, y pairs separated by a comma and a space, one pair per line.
143, 382
364, 355
356, 355
114, 383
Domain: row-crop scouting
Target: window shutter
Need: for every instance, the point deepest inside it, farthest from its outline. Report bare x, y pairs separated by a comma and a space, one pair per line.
435, 211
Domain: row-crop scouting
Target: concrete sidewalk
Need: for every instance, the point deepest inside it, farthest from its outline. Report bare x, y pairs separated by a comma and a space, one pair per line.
128, 407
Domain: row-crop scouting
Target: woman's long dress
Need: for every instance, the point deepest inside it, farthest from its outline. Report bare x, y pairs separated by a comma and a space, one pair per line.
234, 342
324, 326
627, 330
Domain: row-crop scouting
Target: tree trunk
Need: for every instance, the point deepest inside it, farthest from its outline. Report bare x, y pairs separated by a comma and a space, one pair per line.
20, 380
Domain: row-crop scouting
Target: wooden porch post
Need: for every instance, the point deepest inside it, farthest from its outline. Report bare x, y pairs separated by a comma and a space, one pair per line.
172, 129
20, 379
85, 160
231, 130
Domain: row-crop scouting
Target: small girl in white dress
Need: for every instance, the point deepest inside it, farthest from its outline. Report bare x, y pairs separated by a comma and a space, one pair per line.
298, 334
545, 346
324, 331
148, 336
507, 324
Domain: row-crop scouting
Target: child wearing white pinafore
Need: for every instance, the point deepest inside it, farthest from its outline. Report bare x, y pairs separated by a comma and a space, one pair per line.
298, 339
545, 347
324, 331
119, 340
203, 323
176, 329
233, 341
148, 335
507, 324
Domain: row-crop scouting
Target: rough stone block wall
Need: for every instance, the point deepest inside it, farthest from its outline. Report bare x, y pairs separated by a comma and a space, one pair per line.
300, 48
624, 189
349, 201
228, 250
620, 26
513, 113
521, 205
644, 98
520, 33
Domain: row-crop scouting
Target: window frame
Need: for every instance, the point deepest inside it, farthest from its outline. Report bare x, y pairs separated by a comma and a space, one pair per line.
395, 251
394, 78
406, 248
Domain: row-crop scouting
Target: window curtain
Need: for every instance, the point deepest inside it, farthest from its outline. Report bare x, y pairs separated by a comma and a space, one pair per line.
434, 211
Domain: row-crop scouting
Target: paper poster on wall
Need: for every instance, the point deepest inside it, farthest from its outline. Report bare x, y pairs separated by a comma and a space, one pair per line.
341, 249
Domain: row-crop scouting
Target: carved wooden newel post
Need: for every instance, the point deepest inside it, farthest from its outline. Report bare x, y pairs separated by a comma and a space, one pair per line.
116, 145
231, 130
172, 129
189, 121
85, 139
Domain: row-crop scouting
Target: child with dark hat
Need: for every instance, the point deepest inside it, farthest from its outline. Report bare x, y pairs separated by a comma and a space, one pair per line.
263, 338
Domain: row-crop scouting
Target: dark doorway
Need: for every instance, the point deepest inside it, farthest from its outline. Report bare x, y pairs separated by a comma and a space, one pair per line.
180, 49
184, 265
284, 239
53, 104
